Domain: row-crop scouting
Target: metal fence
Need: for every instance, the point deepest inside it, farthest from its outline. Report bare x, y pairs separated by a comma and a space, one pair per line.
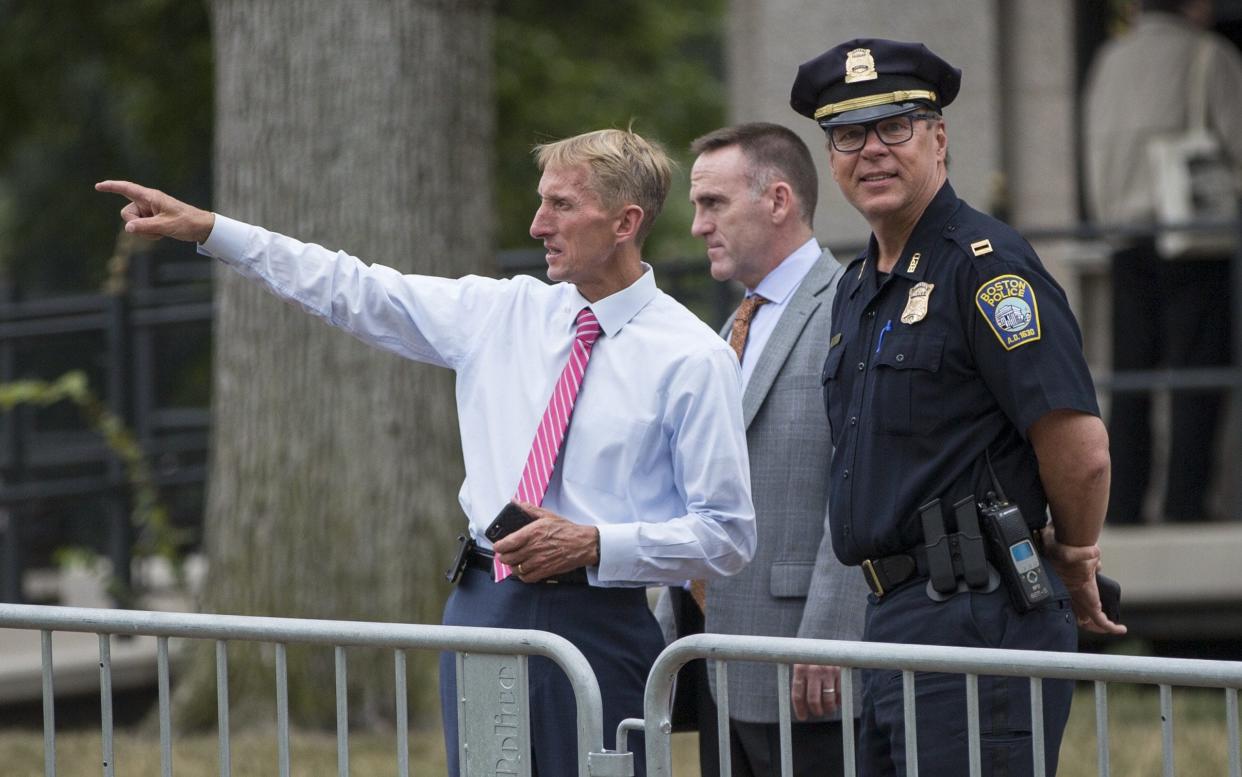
969, 662
491, 678
485, 656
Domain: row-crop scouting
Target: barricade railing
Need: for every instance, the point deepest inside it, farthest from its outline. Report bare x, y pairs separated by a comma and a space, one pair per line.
970, 662
491, 681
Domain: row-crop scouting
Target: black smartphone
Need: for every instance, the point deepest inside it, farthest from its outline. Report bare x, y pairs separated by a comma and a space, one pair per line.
1110, 597
508, 520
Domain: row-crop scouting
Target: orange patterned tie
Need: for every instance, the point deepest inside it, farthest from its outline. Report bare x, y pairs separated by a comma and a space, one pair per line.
737, 340
741, 323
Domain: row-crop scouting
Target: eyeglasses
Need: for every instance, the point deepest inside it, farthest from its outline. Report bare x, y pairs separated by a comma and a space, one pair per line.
892, 131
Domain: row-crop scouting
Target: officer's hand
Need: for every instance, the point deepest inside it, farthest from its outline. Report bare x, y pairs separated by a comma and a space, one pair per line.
816, 690
1077, 565
548, 546
153, 214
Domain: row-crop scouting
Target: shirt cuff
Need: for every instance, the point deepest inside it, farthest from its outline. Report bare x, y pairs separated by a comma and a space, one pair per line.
617, 550
227, 240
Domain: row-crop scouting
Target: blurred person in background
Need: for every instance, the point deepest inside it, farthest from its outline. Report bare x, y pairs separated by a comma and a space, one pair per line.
1166, 312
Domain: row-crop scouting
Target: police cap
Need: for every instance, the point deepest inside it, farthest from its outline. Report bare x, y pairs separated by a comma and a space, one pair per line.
866, 79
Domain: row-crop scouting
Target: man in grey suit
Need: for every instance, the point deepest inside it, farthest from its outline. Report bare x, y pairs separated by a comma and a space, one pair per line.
754, 189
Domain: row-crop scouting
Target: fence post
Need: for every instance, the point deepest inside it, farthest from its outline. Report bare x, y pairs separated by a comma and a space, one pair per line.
117, 502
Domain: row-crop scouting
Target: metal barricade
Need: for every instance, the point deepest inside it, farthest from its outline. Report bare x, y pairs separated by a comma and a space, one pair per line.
969, 662
491, 677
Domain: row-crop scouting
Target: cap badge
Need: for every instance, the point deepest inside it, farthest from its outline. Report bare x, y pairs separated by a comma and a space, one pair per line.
916, 303
859, 66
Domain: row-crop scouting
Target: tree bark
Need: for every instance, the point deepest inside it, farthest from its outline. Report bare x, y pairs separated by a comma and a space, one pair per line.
364, 126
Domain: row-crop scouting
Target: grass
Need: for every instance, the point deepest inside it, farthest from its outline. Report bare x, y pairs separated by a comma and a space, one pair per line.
78, 754
1200, 745
1136, 749
253, 754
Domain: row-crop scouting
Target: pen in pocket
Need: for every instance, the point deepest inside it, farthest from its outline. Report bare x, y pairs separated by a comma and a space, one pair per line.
888, 327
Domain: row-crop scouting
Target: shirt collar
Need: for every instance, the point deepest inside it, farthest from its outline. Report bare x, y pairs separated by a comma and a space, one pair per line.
616, 310
783, 280
929, 229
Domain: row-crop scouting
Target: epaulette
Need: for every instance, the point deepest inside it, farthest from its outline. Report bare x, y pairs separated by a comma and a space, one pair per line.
986, 241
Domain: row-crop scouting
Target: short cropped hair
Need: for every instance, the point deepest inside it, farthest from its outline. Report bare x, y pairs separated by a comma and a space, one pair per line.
625, 169
774, 153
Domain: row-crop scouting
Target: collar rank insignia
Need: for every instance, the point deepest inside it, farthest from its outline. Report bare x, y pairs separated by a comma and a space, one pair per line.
859, 66
1007, 303
916, 303
914, 262
981, 247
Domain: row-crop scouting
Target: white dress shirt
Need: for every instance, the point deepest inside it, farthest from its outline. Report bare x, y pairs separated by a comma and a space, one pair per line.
655, 455
777, 287
1154, 59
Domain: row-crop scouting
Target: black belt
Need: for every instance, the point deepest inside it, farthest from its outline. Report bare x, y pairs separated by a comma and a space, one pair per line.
886, 573
481, 559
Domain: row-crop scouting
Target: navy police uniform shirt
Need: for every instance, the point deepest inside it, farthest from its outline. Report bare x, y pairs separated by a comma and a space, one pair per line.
960, 349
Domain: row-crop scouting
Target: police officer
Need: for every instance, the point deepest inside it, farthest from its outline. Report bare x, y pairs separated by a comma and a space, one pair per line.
955, 373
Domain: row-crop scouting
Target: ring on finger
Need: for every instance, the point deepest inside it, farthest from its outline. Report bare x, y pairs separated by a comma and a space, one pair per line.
829, 690
519, 568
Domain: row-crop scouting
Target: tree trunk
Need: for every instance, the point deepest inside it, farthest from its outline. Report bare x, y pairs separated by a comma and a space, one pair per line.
364, 126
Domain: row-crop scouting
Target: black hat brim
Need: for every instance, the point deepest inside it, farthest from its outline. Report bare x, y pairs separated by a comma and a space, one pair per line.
874, 113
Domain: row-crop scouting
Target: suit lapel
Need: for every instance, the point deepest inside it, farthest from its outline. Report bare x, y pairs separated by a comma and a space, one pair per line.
810, 294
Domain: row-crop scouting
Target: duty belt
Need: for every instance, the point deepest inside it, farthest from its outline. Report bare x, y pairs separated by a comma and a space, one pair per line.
886, 573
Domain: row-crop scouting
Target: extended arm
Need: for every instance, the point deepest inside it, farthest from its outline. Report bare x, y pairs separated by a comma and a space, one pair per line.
1074, 466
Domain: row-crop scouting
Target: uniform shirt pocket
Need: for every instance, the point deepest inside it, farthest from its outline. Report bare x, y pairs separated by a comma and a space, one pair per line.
834, 402
791, 579
907, 381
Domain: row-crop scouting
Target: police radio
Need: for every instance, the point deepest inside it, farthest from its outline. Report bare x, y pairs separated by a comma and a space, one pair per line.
1012, 550
1013, 553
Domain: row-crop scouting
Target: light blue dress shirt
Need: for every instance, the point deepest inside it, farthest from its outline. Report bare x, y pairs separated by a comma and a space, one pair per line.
777, 287
655, 455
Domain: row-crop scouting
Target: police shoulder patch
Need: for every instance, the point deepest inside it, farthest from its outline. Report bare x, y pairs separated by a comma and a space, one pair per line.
1007, 303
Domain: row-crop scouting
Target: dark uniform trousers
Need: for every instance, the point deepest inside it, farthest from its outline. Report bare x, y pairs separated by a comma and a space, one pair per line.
614, 629
965, 620
1175, 314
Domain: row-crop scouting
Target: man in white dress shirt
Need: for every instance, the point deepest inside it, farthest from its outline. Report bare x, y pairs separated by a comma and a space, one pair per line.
651, 483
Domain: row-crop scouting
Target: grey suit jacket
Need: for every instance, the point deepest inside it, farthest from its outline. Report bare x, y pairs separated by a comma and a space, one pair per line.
794, 586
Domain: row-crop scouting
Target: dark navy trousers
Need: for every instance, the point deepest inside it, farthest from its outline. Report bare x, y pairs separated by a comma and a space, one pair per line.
967, 619
614, 629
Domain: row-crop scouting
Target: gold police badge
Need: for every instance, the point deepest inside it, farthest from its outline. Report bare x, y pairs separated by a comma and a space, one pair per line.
859, 66
916, 303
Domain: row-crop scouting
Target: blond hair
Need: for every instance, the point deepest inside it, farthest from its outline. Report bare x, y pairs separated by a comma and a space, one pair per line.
625, 169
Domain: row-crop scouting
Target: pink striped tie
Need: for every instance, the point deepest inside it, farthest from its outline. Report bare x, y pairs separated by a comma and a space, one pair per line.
551, 431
